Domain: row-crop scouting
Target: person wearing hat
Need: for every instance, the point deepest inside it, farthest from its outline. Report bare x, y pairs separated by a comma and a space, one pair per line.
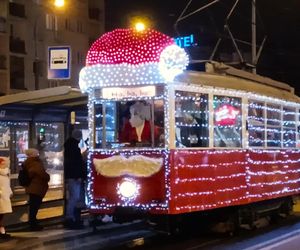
137, 130
75, 175
5, 194
37, 187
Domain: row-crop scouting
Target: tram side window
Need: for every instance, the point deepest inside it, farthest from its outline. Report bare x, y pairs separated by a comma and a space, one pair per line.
273, 125
191, 118
98, 117
289, 127
105, 117
159, 123
256, 123
227, 121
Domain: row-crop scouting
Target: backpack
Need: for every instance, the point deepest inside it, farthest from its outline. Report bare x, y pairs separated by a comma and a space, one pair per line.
23, 178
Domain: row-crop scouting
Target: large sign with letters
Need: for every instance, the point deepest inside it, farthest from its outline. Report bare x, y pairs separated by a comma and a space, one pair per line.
185, 41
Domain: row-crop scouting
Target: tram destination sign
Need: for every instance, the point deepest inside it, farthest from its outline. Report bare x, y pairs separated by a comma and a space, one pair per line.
59, 62
118, 93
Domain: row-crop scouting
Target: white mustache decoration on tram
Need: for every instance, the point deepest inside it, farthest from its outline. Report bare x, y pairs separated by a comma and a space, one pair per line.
136, 165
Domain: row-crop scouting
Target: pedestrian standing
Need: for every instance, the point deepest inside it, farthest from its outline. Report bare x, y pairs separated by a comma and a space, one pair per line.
37, 187
5, 194
75, 175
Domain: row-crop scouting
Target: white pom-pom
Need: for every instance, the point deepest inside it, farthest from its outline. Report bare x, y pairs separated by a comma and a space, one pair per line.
173, 60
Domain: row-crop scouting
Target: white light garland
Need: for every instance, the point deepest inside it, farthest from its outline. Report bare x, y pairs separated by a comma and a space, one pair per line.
99, 76
216, 178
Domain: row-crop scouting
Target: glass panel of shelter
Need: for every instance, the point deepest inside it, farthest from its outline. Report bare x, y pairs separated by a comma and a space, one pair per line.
13, 143
50, 140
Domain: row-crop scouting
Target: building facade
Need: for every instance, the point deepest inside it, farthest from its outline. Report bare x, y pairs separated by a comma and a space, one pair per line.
29, 27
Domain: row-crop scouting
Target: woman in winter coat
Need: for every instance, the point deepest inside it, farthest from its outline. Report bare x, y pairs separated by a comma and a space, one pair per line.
5, 194
38, 186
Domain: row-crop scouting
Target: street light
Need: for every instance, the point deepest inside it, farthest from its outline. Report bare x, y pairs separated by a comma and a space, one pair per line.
58, 4
140, 23
140, 26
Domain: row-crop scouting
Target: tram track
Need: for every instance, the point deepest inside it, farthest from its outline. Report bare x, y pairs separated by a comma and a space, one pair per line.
55, 237
139, 235
244, 239
104, 237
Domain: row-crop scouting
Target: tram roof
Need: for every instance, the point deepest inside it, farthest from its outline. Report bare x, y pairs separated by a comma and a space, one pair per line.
57, 96
216, 75
227, 77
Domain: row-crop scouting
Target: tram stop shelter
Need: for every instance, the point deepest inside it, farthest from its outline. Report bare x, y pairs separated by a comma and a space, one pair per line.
41, 119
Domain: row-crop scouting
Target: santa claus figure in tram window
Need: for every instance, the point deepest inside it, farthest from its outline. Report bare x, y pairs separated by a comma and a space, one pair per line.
137, 130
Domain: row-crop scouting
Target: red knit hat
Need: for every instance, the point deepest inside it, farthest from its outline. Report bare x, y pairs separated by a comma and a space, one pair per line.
129, 57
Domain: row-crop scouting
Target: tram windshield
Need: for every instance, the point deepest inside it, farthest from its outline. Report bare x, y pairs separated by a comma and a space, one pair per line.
122, 124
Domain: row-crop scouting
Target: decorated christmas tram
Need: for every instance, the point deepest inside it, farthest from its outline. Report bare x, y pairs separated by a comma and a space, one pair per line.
165, 141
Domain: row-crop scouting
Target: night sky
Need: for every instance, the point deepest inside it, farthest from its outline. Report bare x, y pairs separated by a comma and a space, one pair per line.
278, 20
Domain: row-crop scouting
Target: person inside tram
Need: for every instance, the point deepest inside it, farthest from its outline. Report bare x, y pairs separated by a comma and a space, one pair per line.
137, 127
189, 130
255, 138
189, 134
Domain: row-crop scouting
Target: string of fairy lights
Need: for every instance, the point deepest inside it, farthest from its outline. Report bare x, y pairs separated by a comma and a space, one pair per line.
94, 204
125, 56
203, 108
243, 183
246, 175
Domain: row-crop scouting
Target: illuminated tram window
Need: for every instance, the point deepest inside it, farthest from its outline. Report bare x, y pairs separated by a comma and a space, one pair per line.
191, 118
227, 121
256, 124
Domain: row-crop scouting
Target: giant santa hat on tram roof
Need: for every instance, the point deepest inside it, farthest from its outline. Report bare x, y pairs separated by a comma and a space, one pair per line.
129, 57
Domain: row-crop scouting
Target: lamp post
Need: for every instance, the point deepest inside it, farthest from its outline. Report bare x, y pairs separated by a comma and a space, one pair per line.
58, 4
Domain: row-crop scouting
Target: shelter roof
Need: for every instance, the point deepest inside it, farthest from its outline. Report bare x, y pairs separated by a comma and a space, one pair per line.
58, 96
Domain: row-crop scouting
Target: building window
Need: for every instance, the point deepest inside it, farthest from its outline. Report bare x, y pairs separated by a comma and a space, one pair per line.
68, 24
91, 41
51, 22
191, 118
80, 58
95, 14
79, 27
17, 9
17, 74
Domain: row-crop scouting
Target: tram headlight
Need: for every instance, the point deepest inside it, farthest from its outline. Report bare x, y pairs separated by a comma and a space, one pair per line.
128, 189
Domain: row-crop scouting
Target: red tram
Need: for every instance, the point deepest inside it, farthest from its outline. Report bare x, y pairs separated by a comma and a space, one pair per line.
170, 142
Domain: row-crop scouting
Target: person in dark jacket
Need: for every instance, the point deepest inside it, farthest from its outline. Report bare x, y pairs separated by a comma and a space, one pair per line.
38, 186
75, 175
